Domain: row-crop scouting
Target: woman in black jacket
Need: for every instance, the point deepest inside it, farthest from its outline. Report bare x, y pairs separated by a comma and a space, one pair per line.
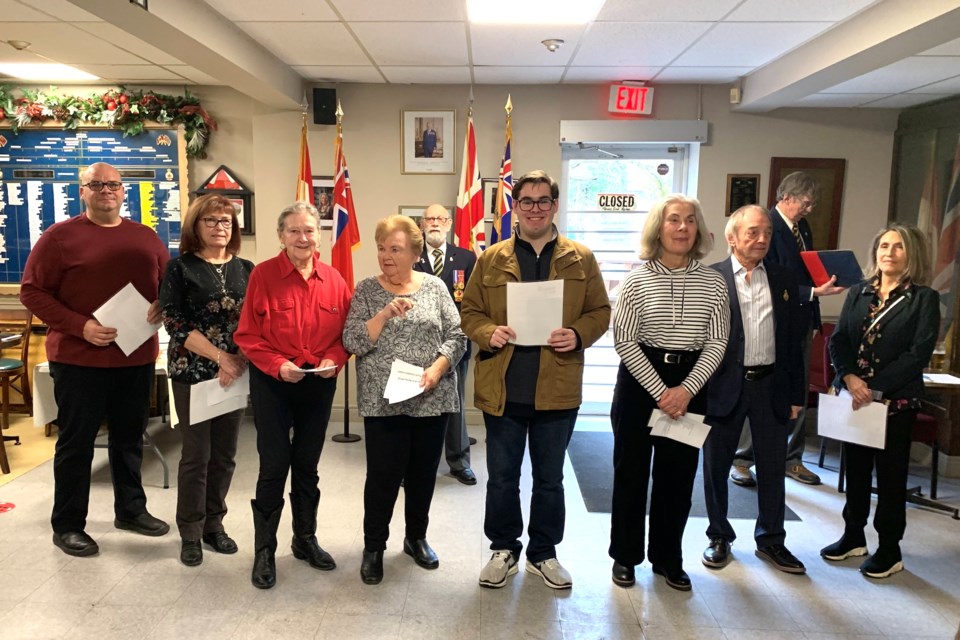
883, 340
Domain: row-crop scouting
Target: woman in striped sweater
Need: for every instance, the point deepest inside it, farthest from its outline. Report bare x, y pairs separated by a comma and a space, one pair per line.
670, 330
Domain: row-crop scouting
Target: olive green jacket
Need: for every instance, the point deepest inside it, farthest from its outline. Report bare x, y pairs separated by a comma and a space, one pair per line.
586, 310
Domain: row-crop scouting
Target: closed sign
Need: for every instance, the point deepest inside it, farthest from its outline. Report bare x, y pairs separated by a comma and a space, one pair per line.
616, 201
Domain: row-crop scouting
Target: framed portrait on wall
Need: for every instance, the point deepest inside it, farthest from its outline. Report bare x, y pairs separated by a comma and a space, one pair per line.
323, 196
427, 141
824, 220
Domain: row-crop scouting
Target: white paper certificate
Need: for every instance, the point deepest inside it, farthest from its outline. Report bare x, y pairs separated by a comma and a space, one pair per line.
126, 312
867, 425
404, 382
688, 429
209, 400
332, 367
534, 310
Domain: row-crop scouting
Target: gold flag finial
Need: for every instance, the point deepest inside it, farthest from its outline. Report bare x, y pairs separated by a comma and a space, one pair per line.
509, 106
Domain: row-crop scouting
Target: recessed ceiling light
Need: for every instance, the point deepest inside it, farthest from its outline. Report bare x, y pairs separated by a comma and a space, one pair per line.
533, 11
45, 71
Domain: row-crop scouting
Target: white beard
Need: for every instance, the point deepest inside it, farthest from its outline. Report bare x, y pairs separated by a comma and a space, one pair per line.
436, 238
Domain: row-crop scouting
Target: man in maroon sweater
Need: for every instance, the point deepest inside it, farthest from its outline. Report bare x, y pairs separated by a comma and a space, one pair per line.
75, 267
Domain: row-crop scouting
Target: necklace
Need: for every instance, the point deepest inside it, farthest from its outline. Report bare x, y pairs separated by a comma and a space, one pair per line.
220, 273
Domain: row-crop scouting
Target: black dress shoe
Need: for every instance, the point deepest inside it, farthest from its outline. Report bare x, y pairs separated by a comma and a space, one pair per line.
144, 524
472, 440
421, 553
717, 555
371, 568
623, 576
220, 541
676, 578
781, 558
465, 476
191, 553
76, 543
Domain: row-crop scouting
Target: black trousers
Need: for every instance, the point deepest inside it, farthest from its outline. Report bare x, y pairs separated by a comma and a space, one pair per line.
769, 436
674, 467
207, 461
400, 448
456, 442
279, 408
86, 396
892, 464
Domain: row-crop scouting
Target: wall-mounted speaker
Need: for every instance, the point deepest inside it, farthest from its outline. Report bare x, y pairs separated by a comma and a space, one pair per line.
324, 106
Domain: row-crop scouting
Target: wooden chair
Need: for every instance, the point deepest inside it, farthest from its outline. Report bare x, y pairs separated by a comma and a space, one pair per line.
15, 372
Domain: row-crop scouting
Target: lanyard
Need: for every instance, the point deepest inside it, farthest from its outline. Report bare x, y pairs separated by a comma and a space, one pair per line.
883, 313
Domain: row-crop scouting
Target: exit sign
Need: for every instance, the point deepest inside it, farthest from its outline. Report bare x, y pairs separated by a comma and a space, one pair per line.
632, 99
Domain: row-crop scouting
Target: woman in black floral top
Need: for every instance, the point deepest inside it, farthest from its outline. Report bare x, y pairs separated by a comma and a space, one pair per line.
201, 296
883, 341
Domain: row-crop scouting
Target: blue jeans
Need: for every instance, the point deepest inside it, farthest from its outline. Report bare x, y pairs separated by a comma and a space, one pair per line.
549, 433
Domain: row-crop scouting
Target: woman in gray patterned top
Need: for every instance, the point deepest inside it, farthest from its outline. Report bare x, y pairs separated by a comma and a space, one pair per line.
409, 316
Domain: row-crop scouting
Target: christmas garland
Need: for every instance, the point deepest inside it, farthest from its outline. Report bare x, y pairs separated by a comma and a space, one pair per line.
119, 108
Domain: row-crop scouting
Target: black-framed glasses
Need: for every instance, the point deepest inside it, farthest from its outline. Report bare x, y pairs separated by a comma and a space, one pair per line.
527, 204
211, 223
96, 185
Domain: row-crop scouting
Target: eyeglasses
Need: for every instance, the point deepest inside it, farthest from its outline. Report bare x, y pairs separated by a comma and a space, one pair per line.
96, 185
211, 223
527, 204
439, 220
806, 204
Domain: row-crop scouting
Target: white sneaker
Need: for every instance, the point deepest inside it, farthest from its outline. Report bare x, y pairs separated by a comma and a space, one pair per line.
552, 572
502, 565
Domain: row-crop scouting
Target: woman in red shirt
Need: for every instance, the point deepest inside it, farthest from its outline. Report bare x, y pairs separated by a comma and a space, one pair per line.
290, 330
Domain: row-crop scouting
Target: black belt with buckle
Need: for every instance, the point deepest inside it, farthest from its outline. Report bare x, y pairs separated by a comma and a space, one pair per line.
669, 357
757, 373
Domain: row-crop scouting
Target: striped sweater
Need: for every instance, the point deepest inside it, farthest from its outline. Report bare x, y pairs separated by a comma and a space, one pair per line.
678, 309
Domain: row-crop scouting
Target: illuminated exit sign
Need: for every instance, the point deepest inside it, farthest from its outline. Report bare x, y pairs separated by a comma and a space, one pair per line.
630, 98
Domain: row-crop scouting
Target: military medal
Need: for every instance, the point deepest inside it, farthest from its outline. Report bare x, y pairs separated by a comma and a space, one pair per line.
458, 285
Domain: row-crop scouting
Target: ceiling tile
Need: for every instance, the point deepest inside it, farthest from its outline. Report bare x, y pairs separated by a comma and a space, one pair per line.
404, 44
950, 85
67, 44
797, 10
660, 11
636, 43
130, 72
903, 100
13, 11
608, 74
320, 73
427, 75
279, 11
110, 33
838, 99
900, 76
61, 10
748, 44
406, 11
517, 75
705, 75
951, 48
307, 43
521, 45
194, 75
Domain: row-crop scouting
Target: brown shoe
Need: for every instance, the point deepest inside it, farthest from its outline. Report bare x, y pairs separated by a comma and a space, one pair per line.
742, 476
801, 474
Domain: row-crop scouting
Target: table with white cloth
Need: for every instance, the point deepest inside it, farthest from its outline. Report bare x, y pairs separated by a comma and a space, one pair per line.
45, 405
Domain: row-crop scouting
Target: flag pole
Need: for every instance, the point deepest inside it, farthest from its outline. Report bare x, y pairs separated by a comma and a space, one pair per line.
346, 436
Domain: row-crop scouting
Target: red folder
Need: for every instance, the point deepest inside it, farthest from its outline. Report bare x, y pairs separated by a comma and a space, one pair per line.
841, 263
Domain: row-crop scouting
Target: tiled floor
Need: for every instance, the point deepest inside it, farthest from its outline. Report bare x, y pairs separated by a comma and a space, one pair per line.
136, 588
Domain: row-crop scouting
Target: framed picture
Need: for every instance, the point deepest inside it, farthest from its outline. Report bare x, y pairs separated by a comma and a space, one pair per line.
323, 195
825, 218
427, 141
489, 197
224, 182
416, 212
742, 189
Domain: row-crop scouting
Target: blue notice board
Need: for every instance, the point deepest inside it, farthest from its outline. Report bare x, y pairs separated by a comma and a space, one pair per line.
40, 183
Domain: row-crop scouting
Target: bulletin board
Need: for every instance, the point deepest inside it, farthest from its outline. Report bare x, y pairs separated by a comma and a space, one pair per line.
40, 184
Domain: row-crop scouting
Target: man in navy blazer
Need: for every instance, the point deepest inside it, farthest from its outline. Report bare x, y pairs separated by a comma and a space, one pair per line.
453, 265
796, 197
760, 378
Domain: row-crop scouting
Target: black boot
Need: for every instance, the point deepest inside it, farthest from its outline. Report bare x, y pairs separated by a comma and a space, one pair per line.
304, 545
371, 567
264, 574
